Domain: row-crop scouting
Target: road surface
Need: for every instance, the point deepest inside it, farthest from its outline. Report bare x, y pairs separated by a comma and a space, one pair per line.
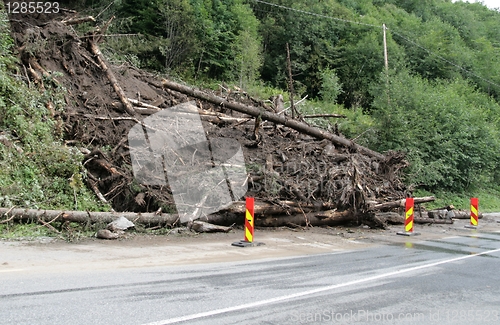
448, 278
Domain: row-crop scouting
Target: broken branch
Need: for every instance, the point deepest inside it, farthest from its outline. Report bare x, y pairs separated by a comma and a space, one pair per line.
401, 203
112, 79
76, 21
324, 115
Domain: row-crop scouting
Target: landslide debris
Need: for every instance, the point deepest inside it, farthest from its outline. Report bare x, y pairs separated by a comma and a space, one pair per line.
283, 166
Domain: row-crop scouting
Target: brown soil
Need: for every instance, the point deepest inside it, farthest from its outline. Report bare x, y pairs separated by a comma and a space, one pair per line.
286, 165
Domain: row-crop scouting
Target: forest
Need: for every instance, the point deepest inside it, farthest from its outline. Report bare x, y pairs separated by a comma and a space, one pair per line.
436, 98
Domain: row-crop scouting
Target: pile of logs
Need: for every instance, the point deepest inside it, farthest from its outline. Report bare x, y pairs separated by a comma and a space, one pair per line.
266, 215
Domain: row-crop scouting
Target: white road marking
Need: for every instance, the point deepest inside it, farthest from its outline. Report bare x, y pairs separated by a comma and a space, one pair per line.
313, 291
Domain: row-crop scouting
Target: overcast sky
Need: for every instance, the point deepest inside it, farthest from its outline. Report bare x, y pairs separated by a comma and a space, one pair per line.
490, 3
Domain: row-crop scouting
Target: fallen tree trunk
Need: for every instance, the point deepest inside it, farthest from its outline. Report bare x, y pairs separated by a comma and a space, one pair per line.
111, 76
76, 21
262, 208
33, 215
391, 218
459, 214
272, 117
201, 226
142, 104
36, 77
266, 215
394, 218
432, 220
321, 218
401, 203
213, 117
34, 63
237, 208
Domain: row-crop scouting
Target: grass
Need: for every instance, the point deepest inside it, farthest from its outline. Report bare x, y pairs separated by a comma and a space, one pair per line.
69, 232
489, 199
72, 232
25, 231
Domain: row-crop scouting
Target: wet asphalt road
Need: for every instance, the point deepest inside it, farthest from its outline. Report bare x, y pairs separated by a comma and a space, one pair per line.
454, 280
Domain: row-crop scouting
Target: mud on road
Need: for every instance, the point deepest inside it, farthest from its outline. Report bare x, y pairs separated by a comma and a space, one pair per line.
142, 251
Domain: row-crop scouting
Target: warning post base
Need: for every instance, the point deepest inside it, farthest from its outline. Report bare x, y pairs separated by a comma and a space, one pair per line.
407, 233
243, 243
470, 226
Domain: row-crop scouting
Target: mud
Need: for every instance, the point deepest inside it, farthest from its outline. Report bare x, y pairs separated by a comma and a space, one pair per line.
137, 251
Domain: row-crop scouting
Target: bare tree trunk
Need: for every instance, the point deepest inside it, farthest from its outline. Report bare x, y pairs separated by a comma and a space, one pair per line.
262, 208
465, 214
401, 203
111, 76
76, 21
394, 218
272, 117
266, 214
33, 215
321, 218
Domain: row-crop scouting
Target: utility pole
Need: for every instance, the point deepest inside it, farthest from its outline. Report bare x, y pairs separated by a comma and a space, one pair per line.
290, 80
386, 63
386, 60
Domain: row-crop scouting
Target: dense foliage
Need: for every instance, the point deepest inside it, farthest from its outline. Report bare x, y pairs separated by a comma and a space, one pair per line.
449, 129
198, 38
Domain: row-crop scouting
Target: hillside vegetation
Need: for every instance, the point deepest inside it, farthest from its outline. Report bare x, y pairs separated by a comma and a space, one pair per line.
36, 169
439, 100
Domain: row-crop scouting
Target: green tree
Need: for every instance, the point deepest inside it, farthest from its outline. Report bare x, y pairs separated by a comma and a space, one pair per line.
451, 139
331, 87
312, 40
177, 23
228, 34
248, 58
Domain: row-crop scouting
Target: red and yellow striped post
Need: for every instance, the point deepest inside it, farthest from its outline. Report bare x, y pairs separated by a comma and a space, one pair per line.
249, 219
409, 208
249, 226
474, 208
409, 214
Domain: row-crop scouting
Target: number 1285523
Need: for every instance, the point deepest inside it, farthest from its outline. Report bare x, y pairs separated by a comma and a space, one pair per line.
39, 7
